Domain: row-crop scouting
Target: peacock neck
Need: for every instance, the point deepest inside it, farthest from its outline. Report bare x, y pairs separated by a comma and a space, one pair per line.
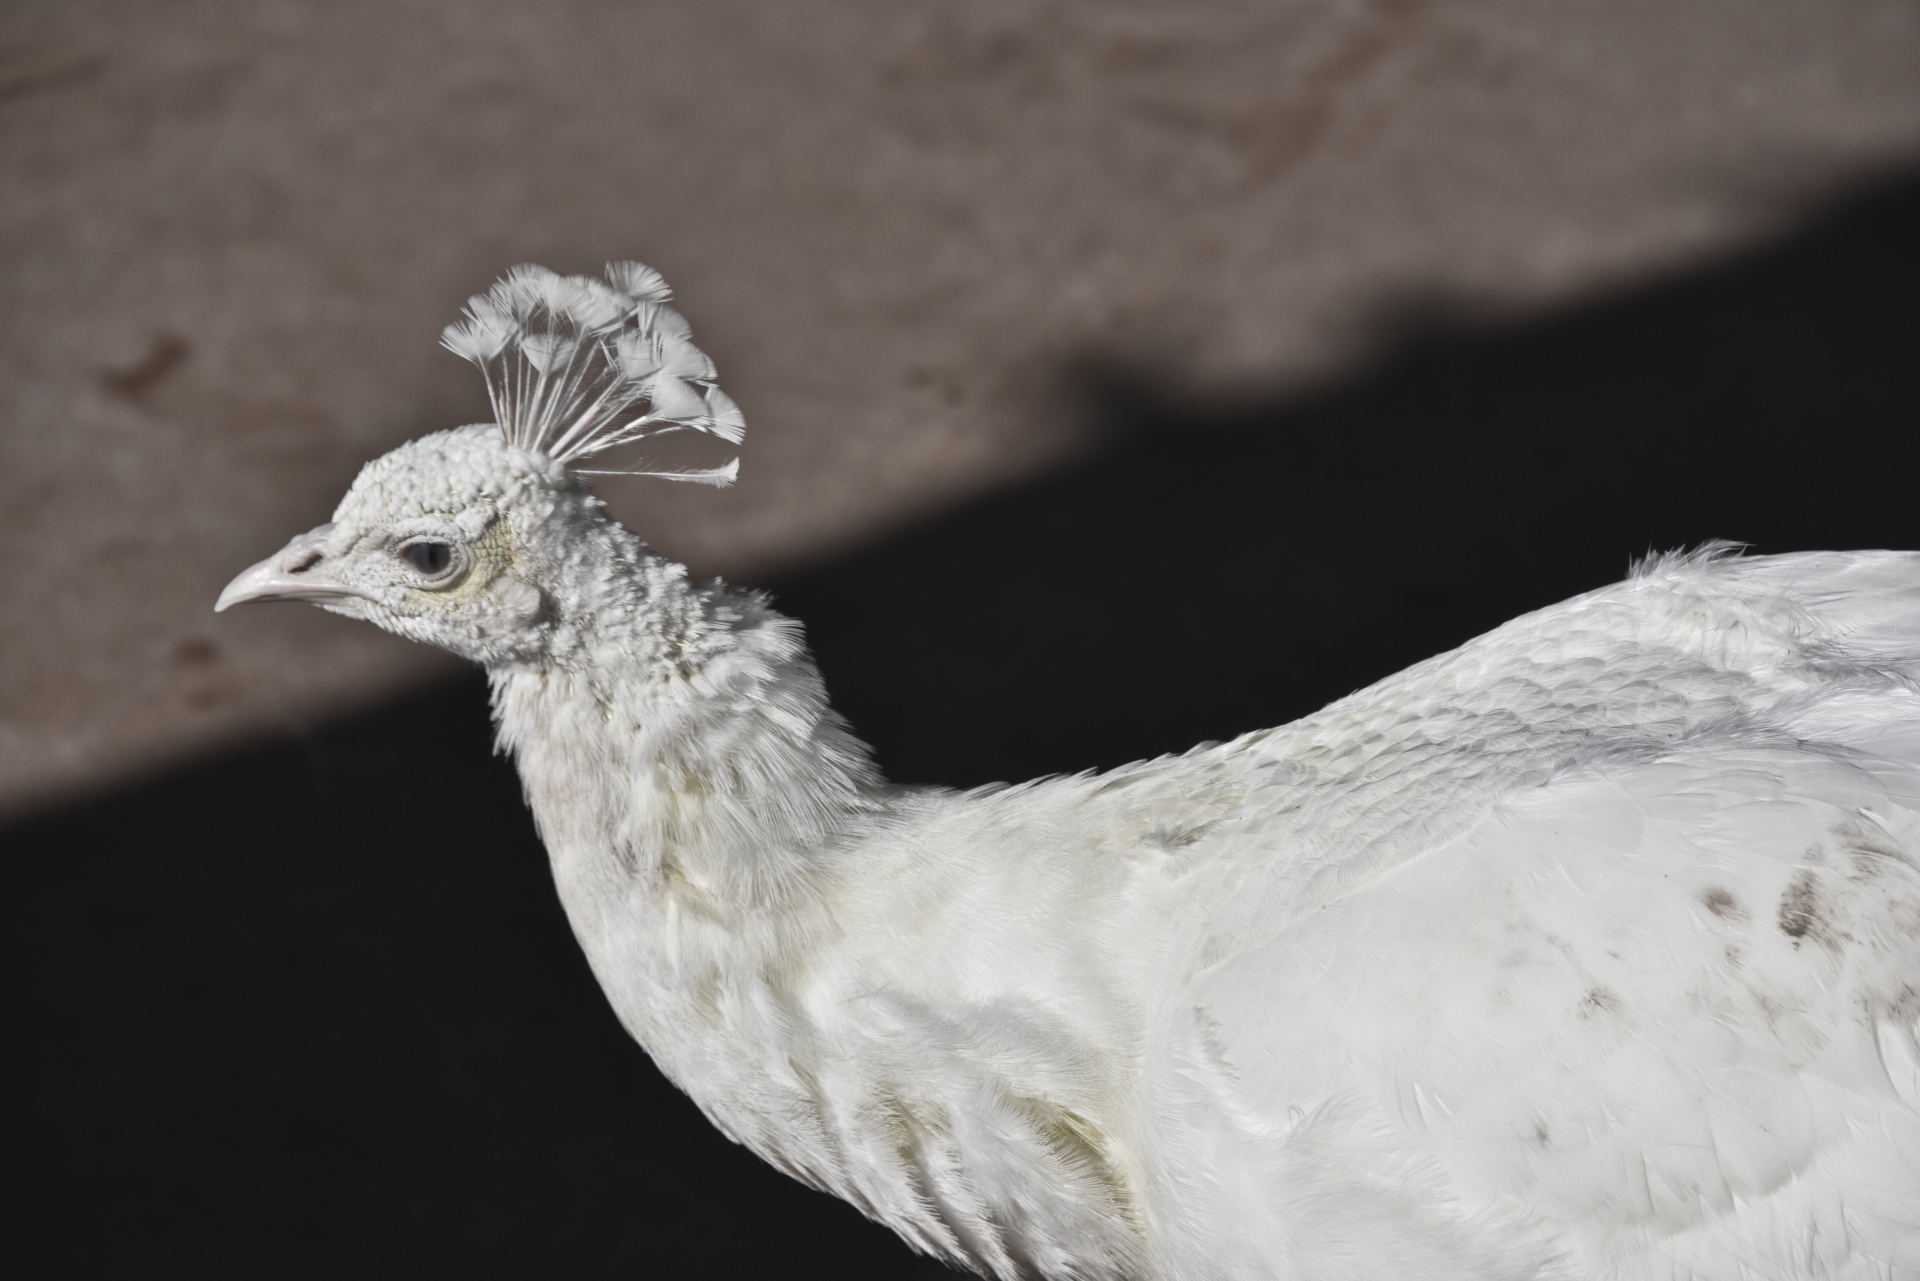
677, 740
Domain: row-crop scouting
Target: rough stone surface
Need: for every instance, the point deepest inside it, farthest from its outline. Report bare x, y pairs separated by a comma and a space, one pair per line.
229, 235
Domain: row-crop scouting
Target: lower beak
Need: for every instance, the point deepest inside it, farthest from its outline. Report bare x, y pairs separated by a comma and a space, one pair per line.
298, 571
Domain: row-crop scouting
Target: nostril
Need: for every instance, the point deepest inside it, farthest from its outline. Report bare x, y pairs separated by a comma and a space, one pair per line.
301, 563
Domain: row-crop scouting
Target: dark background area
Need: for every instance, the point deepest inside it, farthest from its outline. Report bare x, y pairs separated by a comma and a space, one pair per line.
1220, 569
312, 1009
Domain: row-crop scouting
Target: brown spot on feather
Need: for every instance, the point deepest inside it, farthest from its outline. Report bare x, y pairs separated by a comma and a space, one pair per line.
1803, 913
1723, 904
1871, 860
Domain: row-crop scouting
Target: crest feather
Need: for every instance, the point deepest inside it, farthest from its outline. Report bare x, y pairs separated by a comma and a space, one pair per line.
577, 366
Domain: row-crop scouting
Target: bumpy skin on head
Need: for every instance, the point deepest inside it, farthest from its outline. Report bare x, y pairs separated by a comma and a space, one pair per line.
497, 510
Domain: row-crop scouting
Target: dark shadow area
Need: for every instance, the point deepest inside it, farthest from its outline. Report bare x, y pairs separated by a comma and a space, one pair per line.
312, 1009
1222, 570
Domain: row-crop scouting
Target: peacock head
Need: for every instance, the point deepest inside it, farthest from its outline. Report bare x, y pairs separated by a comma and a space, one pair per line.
458, 538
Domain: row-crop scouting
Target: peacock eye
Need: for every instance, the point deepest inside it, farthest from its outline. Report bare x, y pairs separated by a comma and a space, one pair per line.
428, 558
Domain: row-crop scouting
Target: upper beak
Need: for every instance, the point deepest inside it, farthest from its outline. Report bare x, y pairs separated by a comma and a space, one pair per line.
297, 571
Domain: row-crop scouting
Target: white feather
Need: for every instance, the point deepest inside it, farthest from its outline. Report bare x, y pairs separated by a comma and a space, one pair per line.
569, 360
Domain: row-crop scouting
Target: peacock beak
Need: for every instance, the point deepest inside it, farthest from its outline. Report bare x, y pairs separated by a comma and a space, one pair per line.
297, 571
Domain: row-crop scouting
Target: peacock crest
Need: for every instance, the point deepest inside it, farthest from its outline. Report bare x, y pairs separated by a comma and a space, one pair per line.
577, 366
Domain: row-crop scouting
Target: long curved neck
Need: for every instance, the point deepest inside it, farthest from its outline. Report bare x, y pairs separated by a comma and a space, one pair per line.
679, 737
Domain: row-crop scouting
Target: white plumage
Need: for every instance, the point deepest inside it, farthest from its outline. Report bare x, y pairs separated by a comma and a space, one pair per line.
1590, 949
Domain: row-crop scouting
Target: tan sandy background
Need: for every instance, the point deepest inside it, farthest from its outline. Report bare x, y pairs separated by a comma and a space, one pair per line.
230, 234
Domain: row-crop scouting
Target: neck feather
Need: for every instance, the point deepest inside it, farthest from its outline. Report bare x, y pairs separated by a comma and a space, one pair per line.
680, 736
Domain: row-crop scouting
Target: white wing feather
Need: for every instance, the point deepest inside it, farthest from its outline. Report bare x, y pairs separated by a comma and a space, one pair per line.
1665, 994
1589, 949
1644, 1000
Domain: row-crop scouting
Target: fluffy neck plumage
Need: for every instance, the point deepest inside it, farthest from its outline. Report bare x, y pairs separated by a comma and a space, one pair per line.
678, 737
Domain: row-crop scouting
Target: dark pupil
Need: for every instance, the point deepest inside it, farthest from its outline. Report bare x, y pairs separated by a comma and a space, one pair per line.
429, 558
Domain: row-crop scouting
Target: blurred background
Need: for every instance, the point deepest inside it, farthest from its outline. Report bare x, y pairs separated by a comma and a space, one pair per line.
1118, 375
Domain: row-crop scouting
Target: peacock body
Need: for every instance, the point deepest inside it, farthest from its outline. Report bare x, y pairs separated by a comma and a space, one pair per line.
1589, 949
